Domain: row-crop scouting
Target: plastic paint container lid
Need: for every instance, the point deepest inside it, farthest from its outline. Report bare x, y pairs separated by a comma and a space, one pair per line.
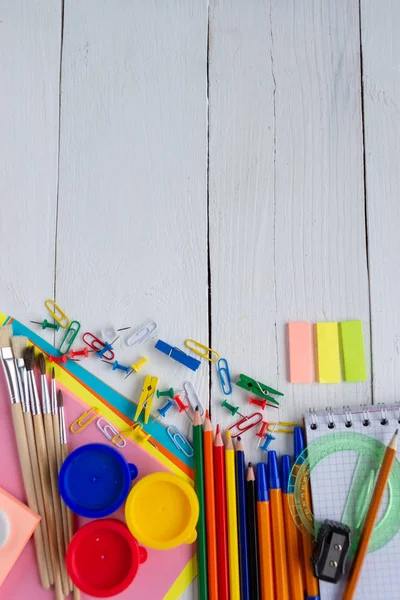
162, 510
4, 528
103, 558
95, 480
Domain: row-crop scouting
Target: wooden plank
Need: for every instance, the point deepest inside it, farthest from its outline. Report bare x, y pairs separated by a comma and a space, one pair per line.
29, 65
132, 242
381, 47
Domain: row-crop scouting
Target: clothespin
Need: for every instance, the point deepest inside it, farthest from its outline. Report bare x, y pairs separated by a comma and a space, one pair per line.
259, 389
178, 355
146, 397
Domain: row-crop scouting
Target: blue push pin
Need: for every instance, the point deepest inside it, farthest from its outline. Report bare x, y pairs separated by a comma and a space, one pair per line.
268, 439
163, 410
117, 365
106, 348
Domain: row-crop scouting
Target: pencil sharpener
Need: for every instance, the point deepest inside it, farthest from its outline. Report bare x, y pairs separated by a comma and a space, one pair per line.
331, 551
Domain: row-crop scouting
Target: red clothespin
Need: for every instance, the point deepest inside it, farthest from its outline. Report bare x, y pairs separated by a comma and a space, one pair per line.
261, 433
258, 402
58, 359
246, 423
182, 407
73, 353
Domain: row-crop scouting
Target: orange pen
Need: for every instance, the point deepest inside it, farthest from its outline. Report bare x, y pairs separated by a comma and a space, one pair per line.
211, 526
264, 535
278, 529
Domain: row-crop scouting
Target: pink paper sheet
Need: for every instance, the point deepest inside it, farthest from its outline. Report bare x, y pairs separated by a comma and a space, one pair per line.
155, 576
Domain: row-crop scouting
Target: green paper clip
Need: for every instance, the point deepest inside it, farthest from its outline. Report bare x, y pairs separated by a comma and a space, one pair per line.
257, 388
69, 337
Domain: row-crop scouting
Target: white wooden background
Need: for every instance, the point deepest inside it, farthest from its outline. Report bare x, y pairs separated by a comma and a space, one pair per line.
221, 167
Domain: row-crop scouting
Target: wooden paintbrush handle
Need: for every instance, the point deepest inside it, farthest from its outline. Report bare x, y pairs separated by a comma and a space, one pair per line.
57, 445
30, 436
48, 504
23, 452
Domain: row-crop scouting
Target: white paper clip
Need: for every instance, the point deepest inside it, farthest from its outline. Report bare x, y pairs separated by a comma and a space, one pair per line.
192, 396
109, 431
140, 335
180, 441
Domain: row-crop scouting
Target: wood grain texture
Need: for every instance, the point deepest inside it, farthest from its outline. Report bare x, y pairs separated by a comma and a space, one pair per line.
29, 66
381, 48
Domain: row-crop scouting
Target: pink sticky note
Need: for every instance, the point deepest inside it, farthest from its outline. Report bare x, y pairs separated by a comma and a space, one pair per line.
301, 353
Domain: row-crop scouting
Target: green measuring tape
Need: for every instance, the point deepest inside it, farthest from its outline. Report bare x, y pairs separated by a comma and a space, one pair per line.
365, 458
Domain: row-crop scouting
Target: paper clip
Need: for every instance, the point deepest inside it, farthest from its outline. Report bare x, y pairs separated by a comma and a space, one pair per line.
84, 420
180, 441
244, 425
192, 397
224, 377
257, 388
146, 398
140, 335
109, 431
57, 314
135, 428
202, 350
178, 355
69, 337
282, 427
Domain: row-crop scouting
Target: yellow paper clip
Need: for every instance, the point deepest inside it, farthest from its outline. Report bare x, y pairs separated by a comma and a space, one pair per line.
281, 427
202, 351
84, 420
136, 431
57, 314
146, 398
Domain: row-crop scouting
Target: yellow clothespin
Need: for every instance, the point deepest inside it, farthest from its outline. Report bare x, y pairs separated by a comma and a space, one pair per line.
146, 397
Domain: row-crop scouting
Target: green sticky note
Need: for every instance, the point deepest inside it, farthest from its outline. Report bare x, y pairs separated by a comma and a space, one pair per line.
351, 334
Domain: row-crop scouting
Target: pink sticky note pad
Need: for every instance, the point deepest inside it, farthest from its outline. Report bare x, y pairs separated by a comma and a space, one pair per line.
17, 523
301, 353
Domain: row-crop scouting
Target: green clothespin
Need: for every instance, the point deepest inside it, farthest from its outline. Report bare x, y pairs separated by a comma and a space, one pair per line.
257, 388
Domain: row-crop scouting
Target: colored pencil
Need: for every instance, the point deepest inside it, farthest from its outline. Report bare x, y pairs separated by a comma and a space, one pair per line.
311, 582
295, 566
211, 527
242, 518
264, 535
231, 506
252, 533
278, 529
199, 483
221, 517
368, 527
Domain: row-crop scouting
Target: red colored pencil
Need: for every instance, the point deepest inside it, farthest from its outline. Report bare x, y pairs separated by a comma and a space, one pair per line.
220, 513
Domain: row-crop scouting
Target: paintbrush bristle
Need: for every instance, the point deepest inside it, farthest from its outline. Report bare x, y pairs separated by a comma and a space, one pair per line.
29, 358
42, 364
53, 373
19, 343
60, 399
5, 336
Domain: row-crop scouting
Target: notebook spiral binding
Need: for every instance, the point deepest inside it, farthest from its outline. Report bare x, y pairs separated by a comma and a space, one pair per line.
330, 414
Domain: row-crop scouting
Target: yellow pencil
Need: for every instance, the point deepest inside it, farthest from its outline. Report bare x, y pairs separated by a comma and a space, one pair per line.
233, 541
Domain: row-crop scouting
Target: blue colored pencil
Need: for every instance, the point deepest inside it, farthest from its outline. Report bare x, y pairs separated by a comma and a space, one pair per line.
242, 519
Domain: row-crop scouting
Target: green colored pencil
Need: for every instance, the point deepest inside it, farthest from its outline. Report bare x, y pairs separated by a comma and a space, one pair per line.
201, 525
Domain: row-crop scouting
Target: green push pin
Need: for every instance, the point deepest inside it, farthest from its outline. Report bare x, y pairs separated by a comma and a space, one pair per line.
46, 325
169, 393
232, 409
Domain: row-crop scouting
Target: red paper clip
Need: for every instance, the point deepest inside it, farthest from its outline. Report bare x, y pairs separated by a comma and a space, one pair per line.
261, 433
58, 359
182, 407
84, 352
93, 342
240, 429
258, 402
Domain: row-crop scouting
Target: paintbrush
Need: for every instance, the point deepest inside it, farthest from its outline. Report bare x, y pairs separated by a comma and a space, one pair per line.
10, 372
40, 438
64, 454
19, 345
52, 458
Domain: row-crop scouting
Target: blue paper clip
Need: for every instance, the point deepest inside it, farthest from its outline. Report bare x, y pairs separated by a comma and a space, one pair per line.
268, 439
224, 377
178, 355
178, 438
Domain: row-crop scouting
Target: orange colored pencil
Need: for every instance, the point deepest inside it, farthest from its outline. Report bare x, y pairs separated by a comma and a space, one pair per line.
264, 535
370, 519
211, 526
278, 529
291, 532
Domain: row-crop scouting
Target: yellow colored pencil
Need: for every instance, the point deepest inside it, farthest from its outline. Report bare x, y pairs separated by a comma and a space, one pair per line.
233, 541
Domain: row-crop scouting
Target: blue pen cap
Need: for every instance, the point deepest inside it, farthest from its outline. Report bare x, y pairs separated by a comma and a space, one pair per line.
298, 442
273, 471
262, 483
286, 467
95, 480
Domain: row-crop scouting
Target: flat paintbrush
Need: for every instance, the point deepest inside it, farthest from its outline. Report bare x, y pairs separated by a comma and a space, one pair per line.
10, 372
40, 438
19, 345
52, 458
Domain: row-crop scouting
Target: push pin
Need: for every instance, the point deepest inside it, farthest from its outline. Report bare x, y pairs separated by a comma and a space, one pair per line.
116, 365
58, 359
232, 409
169, 393
261, 433
164, 409
261, 403
106, 348
136, 367
46, 325
268, 440
182, 407
73, 353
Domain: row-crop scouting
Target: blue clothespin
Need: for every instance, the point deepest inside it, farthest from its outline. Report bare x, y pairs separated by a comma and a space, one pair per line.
178, 355
163, 410
268, 440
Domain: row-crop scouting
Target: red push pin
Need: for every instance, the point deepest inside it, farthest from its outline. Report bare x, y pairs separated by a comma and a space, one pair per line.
58, 359
182, 407
262, 403
84, 352
263, 427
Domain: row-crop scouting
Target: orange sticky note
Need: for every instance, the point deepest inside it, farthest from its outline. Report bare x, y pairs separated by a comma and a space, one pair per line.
17, 523
301, 353
328, 353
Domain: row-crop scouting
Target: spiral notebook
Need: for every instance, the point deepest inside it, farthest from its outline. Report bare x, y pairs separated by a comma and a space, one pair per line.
341, 485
